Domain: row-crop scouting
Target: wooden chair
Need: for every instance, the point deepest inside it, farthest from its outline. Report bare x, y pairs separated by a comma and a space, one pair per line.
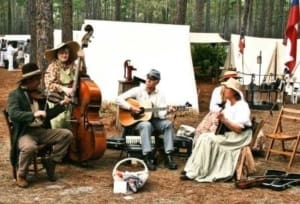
291, 134
246, 163
43, 150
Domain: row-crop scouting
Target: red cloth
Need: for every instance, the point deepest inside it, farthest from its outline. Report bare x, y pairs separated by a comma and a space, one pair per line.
242, 44
291, 33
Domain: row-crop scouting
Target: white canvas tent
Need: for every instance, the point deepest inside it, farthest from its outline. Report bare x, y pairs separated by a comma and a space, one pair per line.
77, 35
206, 38
273, 54
160, 46
22, 38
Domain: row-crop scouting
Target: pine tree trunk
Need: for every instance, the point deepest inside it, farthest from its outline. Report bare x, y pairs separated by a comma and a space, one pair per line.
44, 30
67, 21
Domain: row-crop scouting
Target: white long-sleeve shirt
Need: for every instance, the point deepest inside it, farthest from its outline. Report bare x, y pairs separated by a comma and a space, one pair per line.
140, 94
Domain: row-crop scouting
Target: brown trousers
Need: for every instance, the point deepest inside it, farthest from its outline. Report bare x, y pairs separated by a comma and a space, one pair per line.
34, 136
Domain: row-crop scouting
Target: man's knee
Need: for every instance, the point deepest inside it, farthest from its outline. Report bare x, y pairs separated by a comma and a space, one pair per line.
169, 124
67, 134
145, 125
30, 148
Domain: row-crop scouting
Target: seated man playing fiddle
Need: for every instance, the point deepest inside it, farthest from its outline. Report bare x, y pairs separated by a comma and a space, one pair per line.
31, 116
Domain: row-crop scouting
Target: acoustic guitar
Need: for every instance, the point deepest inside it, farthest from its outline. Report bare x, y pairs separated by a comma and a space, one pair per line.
127, 118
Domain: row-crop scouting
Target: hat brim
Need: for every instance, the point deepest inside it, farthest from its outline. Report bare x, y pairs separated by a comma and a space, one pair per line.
229, 85
73, 46
30, 75
227, 77
150, 76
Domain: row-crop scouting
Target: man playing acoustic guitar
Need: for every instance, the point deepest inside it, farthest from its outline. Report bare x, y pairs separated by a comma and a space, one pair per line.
146, 123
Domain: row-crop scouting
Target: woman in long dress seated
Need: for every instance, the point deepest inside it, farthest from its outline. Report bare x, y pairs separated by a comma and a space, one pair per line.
215, 156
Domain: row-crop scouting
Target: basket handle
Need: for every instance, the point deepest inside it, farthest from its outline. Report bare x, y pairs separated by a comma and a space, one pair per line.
129, 159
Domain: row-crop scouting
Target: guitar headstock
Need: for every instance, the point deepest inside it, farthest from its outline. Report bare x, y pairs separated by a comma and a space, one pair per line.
188, 104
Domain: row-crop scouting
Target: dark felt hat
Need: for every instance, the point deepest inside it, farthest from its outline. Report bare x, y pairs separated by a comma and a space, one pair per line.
29, 70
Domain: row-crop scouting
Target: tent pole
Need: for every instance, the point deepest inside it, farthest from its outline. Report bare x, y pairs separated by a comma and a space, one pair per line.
275, 68
243, 66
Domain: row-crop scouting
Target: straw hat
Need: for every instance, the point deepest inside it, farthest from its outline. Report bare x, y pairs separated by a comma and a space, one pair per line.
229, 74
73, 46
29, 70
233, 84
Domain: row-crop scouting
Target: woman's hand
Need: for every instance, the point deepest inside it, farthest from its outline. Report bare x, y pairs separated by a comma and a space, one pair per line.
221, 117
66, 101
232, 126
68, 91
80, 54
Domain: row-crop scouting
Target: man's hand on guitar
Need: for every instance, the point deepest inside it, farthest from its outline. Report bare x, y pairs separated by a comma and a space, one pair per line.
171, 109
135, 110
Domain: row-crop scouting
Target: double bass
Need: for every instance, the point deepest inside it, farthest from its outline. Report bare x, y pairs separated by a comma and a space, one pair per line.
89, 133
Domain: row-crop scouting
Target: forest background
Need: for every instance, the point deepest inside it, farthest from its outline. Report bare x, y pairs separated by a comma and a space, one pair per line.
38, 18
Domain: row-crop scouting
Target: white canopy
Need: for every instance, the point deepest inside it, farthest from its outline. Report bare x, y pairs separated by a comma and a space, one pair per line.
16, 37
206, 38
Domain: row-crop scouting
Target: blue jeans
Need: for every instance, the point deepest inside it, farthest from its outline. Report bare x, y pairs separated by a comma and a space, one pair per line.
162, 126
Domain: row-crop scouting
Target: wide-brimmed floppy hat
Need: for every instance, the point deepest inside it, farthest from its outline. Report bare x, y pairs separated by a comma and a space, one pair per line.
229, 74
154, 74
73, 46
30, 70
233, 84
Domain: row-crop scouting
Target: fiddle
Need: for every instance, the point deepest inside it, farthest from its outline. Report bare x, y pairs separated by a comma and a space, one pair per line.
36, 94
55, 97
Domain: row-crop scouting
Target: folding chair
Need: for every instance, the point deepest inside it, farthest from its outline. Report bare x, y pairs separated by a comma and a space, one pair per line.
43, 150
291, 115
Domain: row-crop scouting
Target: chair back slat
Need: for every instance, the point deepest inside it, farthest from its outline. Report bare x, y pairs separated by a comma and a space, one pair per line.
291, 110
285, 116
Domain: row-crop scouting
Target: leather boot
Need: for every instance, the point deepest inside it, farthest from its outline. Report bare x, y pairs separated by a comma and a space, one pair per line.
149, 162
49, 165
21, 181
169, 162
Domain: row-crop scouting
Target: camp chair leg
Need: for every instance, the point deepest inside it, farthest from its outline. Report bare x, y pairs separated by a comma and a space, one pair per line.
282, 146
294, 153
269, 150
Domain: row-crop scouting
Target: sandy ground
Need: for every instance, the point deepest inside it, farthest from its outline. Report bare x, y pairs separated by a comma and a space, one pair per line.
94, 184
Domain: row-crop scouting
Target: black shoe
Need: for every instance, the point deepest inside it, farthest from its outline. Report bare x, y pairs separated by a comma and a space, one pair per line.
169, 162
184, 177
49, 165
148, 161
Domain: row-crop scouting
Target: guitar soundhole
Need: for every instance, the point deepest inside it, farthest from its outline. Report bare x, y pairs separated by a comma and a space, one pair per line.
139, 115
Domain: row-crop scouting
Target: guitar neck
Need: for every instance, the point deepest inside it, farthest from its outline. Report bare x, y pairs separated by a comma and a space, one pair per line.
163, 108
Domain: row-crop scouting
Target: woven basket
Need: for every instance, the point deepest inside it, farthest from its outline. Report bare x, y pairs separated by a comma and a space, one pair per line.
129, 181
